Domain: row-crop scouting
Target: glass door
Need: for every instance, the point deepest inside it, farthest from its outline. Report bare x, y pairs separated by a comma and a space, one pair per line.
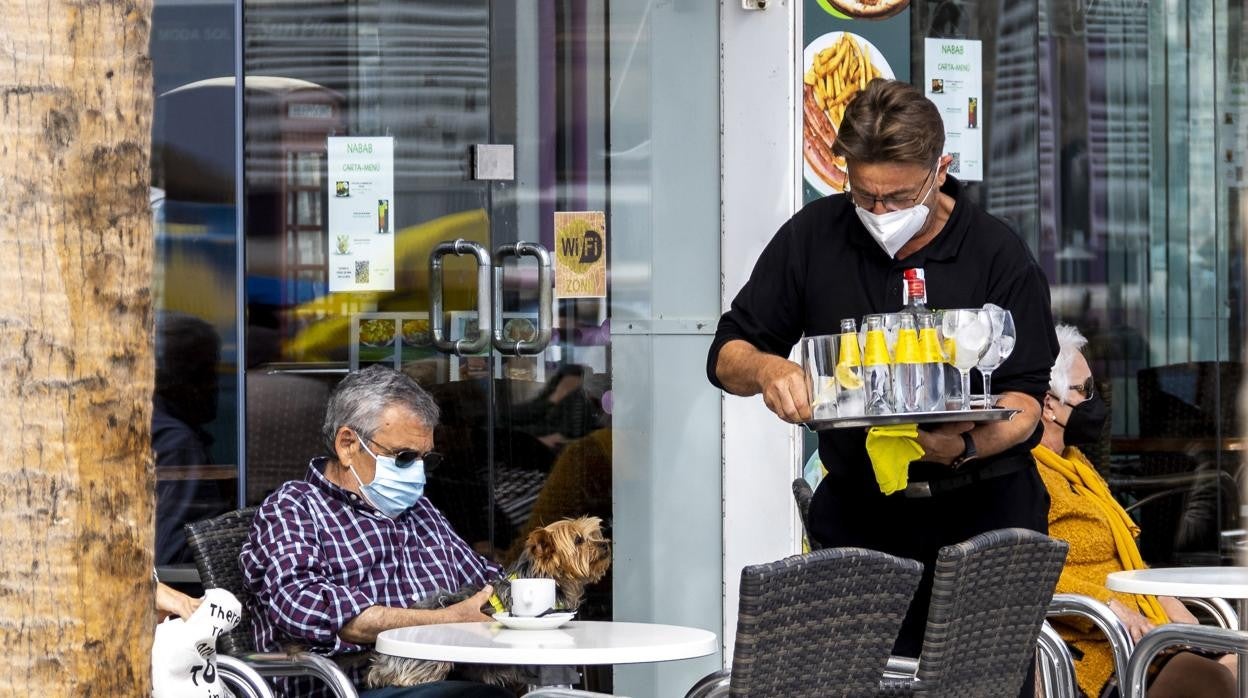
405, 163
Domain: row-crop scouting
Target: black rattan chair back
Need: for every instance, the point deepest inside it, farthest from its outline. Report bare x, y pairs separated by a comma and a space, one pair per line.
989, 598
820, 624
802, 495
216, 544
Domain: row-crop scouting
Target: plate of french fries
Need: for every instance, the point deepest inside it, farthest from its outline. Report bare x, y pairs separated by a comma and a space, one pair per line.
838, 65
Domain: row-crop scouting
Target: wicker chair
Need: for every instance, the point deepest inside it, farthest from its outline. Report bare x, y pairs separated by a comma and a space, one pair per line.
989, 598
284, 416
802, 495
216, 544
816, 625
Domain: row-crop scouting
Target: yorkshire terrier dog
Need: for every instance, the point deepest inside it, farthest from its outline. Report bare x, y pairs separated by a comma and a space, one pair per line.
573, 552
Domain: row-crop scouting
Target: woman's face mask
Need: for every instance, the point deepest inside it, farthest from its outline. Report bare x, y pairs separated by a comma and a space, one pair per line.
395, 488
1086, 422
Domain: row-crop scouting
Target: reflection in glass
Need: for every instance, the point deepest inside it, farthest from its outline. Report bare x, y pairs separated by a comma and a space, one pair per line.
194, 419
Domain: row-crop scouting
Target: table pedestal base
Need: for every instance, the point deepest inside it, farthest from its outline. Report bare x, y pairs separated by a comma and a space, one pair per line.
551, 676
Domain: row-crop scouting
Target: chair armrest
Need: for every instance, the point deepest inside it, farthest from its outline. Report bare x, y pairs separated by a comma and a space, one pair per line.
713, 685
1220, 609
1057, 666
1099, 615
246, 682
302, 664
1167, 481
1173, 635
566, 693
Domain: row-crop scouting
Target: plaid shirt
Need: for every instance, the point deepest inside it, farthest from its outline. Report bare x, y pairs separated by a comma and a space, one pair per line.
319, 555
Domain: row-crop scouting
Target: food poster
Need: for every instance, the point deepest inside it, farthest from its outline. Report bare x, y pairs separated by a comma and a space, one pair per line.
361, 214
580, 254
954, 81
846, 44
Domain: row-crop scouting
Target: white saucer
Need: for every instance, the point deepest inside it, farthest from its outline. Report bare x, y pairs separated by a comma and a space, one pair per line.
546, 622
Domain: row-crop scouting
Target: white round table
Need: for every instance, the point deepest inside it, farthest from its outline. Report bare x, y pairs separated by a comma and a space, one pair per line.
1197, 582
577, 643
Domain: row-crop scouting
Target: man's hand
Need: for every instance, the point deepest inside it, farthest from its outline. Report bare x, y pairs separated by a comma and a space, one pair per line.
783, 384
469, 610
1137, 624
363, 629
944, 443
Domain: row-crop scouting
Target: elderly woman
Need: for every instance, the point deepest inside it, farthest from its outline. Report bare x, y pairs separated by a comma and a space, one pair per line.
1102, 539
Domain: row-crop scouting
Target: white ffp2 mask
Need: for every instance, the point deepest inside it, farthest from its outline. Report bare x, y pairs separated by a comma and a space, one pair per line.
892, 230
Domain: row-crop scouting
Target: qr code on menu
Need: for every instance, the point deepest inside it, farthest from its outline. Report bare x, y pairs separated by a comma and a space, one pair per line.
361, 271
956, 166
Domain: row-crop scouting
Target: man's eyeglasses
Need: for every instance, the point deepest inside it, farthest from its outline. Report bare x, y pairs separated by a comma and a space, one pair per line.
891, 203
407, 457
1086, 389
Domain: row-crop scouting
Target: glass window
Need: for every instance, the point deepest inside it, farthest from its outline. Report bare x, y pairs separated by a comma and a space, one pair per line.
1137, 217
194, 421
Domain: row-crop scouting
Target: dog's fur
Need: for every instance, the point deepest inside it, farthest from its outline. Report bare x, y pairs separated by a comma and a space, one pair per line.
573, 552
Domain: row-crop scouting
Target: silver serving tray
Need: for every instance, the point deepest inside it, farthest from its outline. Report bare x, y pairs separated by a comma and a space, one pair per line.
996, 414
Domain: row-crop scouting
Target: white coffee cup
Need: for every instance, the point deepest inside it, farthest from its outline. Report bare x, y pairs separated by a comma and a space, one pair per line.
530, 597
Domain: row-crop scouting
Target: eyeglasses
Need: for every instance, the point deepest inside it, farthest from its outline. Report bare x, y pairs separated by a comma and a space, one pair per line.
891, 203
1086, 389
407, 457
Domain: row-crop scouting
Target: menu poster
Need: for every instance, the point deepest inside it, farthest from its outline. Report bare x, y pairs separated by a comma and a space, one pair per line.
846, 44
954, 81
580, 254
361, 214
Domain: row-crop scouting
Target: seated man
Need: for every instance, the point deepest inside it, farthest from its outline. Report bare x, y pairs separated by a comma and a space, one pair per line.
336, 558
1102, 540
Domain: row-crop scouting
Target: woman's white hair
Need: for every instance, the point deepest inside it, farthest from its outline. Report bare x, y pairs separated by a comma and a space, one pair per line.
1069, 341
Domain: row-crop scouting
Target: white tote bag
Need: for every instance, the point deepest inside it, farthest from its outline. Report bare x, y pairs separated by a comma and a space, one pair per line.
184, 656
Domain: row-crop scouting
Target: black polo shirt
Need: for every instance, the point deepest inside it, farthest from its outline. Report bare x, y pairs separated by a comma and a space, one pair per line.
823, 266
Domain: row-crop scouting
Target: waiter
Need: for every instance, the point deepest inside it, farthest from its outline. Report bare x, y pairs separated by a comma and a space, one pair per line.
843, 257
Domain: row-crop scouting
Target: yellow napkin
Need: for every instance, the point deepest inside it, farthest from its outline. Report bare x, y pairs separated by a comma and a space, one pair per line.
891, 449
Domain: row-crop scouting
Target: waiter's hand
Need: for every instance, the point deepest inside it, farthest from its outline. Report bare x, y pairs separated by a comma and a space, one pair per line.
944, 443
783, 385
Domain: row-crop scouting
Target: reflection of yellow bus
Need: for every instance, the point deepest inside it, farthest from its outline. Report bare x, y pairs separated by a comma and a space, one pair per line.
324, 322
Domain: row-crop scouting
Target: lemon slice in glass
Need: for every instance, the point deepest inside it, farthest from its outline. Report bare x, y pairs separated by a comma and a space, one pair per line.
848, 377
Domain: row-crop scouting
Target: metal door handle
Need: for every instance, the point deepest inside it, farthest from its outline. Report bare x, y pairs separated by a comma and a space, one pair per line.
545, 287
485, 316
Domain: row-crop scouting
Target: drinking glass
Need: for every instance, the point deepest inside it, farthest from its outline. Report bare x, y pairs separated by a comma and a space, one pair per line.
819, 358
967, 332
999, 348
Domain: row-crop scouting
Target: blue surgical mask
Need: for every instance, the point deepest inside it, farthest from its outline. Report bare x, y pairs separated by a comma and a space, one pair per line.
393, 490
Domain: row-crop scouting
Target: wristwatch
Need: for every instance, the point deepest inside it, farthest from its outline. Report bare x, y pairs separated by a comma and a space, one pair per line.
968, 451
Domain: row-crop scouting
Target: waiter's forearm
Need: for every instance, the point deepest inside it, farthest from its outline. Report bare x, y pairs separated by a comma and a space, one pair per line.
738, 367
992, 438
945, 443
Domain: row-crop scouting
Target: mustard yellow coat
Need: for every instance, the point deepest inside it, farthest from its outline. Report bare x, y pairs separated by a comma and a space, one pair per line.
1076, 519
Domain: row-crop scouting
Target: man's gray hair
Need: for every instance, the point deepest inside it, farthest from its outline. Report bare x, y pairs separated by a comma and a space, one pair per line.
360, 399
1069, 341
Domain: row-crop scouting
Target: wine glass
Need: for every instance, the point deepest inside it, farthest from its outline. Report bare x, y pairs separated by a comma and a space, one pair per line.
968, 332
999, 348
